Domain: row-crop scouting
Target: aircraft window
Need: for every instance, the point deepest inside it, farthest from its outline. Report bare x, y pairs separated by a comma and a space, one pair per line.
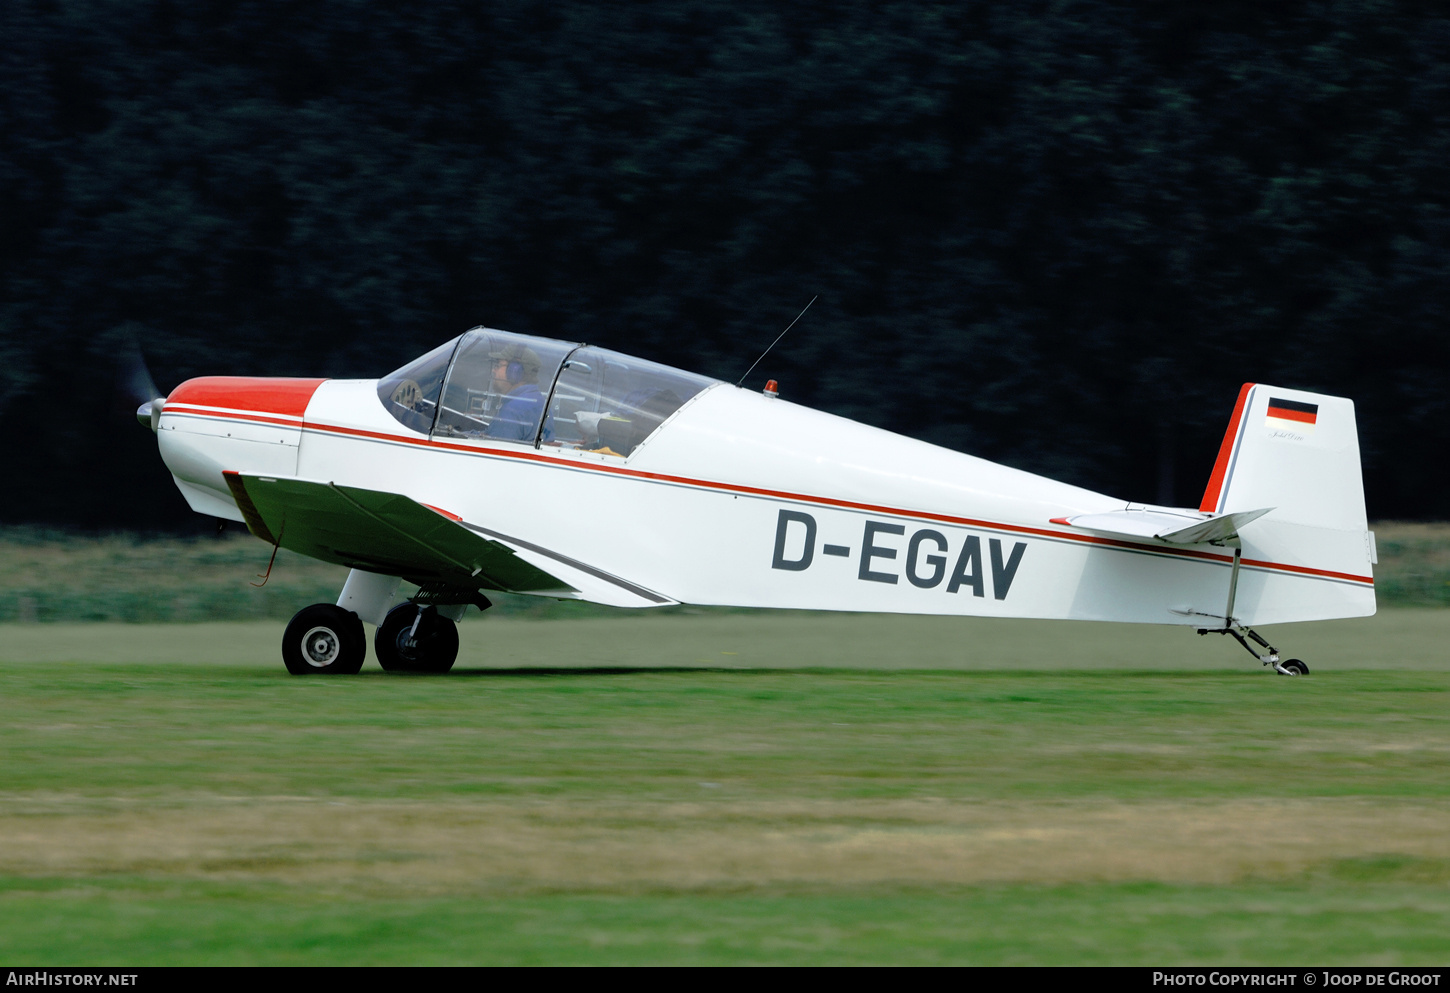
411, 394
497, 386
607, 402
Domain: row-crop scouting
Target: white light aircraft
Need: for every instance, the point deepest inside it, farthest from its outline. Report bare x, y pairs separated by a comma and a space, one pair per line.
504, 462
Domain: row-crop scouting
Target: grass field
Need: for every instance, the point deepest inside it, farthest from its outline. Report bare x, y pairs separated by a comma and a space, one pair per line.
61, 577
729, 788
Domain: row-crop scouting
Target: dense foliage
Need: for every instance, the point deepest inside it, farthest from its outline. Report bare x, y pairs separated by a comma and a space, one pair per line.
1056, 234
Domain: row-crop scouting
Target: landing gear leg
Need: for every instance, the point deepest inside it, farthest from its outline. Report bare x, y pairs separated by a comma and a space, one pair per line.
1243, 634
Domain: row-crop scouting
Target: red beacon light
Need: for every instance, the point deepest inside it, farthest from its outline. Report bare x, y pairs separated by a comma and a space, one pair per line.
771, 389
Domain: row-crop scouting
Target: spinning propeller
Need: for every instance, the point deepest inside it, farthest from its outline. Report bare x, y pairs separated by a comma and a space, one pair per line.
136, 378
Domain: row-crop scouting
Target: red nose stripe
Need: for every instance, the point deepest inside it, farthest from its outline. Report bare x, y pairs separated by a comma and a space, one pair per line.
273, 396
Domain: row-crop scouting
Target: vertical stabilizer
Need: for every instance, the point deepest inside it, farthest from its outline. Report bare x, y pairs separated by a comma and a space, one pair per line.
1294, 451
1298, 453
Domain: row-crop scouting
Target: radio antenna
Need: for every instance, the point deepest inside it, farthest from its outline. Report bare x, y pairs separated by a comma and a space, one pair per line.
778, 337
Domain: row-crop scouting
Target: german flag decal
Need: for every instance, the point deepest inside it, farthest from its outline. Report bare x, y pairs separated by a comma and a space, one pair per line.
1291, 415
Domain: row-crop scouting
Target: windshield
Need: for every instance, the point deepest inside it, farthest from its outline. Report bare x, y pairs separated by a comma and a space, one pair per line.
609, 403
411, 393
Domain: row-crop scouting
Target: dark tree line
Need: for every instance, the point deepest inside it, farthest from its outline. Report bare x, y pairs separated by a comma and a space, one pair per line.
1055, 234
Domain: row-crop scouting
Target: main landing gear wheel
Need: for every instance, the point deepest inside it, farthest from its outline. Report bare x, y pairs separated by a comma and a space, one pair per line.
416, 639
324, 638
1294, 667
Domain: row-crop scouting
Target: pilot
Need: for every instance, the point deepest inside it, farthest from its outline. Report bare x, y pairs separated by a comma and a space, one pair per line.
516, 378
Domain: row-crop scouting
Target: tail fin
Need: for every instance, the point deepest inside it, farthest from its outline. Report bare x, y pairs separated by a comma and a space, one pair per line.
1297, 452
1309, 558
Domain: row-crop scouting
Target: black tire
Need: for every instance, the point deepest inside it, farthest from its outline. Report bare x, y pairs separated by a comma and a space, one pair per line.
324, 639
432, 648
1296, 667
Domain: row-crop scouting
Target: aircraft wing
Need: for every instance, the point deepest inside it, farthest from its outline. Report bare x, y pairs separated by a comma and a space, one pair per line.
1179, 528
395, 535
381, 532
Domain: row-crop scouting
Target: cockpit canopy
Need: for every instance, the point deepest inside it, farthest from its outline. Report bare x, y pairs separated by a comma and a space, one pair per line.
490, 385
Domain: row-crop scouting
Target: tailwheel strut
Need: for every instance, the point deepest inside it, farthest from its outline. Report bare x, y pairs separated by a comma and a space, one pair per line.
1243, 634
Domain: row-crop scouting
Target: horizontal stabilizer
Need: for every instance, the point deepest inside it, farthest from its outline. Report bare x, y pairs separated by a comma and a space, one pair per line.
1219, 527
1178, 527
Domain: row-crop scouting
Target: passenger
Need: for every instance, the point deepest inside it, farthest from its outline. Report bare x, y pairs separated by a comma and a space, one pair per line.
516, 378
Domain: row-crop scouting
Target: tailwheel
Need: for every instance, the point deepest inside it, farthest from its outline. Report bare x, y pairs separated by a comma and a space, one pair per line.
325, 639
1293, 667
416, 638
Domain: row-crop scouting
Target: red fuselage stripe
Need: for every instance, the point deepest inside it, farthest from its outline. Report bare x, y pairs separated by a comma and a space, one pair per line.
534, 456
188, 409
